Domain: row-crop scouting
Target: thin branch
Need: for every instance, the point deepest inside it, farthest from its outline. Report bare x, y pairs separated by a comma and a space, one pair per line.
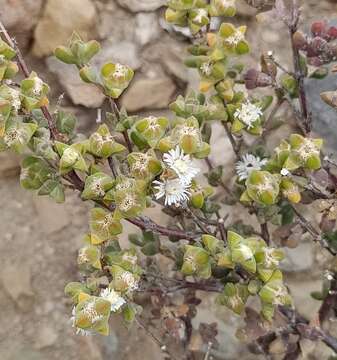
199, 223
55, 134
221, 183
221, 226
265, 233
162, 346
272, 115
312, 231
235, 145
116, 110
112, 166
298, 68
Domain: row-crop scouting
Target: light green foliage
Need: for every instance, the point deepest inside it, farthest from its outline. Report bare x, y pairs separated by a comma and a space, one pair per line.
149, 131
77, 51
129, 163
8, 68
251, 254
102, 143
103, 226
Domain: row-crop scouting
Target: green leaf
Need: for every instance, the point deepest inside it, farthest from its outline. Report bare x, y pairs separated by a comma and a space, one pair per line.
65, 122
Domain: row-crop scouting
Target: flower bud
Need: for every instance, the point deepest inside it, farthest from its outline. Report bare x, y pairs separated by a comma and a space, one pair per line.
319, 28
254, 79
300, 40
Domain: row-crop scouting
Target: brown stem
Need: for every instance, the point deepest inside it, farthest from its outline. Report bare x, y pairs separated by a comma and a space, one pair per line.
116, 110
265, 233
235, 145
312, 231
25, 70
221, 226
298, 69
297, 324
154, 337
272, 115
112, 166
222, 184
330, 302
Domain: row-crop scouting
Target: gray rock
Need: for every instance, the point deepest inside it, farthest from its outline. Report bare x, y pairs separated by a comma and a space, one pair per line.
171, 55
115, 21
298, 259
123, 52
149, 93
9, 165
45, 337
79, 92
21, 13
143, 5
324, 116
60, 19
16, 279
52, 217
300, 290
147, 28
20, 17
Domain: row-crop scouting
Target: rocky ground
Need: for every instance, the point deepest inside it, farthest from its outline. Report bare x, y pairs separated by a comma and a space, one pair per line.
39, 239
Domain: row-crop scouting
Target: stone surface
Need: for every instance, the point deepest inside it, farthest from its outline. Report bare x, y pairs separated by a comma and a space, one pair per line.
53, 217
171, 54
149, 93
20, 13
300, 288
298, 259
325, 116
143, 5
9, 164
123, 52
60, 19
20, 17
79, 92
16, 279
116, 22
147, 28
46, 336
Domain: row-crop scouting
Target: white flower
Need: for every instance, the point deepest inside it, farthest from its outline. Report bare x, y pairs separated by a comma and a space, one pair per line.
113, 297
182, 165
285, 172
248, 163
174, 191
248, 114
